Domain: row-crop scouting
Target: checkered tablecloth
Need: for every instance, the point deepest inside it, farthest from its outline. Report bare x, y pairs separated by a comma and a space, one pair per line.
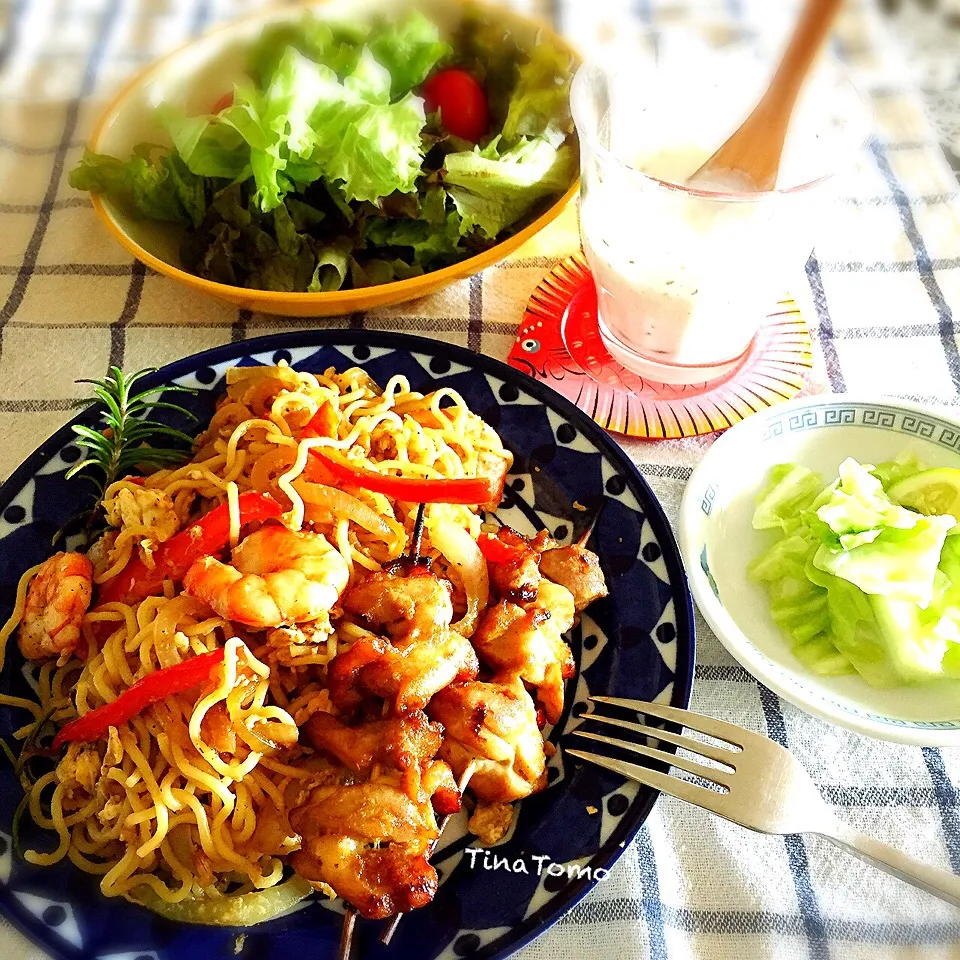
879, 295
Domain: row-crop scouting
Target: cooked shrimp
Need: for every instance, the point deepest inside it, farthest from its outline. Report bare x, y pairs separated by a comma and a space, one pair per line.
57, 600
278, 577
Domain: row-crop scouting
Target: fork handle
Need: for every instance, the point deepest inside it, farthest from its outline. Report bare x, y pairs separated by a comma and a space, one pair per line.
941, 883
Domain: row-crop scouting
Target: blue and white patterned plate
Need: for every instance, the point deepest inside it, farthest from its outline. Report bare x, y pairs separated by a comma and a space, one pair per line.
638, 642
718, 541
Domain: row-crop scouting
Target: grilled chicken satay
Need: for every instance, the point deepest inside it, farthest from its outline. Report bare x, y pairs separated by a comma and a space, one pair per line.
578, 570
420, 654
526, 641
370, 842
526, 562
515, 573
492, 726
522, 635
397, 743
408, 604
407, 744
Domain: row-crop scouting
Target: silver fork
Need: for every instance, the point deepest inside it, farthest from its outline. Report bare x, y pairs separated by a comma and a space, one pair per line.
763, 787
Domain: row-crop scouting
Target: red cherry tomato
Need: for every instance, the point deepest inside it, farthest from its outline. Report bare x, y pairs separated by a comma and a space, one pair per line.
461, 101
225, 101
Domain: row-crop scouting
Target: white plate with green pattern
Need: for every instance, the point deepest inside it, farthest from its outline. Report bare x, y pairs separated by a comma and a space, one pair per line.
718, 541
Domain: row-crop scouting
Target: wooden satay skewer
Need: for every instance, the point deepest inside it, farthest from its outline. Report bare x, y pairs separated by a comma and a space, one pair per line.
584, 537
391, 928
350, 914
346, 934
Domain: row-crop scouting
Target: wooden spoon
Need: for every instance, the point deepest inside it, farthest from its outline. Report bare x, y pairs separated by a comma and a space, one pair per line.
754, 150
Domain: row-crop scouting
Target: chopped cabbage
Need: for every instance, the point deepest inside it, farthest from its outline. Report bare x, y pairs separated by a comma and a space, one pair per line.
856, 581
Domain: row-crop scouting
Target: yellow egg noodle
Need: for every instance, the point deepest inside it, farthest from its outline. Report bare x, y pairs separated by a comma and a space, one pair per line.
187, 799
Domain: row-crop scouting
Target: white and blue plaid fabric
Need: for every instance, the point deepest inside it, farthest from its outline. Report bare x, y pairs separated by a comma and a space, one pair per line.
879, 296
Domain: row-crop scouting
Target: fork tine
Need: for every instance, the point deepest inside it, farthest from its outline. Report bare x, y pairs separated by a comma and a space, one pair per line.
721, 777
694, 721
681, 789
720, 754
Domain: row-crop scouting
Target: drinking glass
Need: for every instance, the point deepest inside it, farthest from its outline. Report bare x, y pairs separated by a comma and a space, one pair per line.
686, 272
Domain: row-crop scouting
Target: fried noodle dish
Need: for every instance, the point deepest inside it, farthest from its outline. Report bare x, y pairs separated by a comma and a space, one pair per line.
262, 683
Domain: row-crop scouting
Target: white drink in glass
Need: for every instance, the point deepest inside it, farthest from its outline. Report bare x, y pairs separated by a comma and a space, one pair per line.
687, 272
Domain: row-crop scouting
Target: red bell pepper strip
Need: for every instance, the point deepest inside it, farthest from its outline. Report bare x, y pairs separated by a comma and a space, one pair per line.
471, 490
322, 424
136, 699
496, 550
446, 801
209, 535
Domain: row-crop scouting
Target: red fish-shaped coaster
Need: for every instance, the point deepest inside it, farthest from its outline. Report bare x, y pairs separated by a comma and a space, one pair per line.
559, 343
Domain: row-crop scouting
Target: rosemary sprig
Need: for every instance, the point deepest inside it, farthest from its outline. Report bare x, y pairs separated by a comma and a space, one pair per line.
123, 443
128, 438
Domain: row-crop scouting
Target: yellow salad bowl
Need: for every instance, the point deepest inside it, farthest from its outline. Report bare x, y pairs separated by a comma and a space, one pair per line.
196, 74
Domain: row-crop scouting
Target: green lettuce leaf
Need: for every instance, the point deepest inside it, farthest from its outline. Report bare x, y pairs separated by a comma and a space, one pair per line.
375, 271
366, 142
241, 245
333, 266
488, 50
492, 188
335, 44
409, 50
161, 190
432, 238
305, 125
323, 172
540, 102
208, 147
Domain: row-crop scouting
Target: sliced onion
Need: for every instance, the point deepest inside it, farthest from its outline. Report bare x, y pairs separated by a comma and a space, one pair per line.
462, 551
242, 911
342, 504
